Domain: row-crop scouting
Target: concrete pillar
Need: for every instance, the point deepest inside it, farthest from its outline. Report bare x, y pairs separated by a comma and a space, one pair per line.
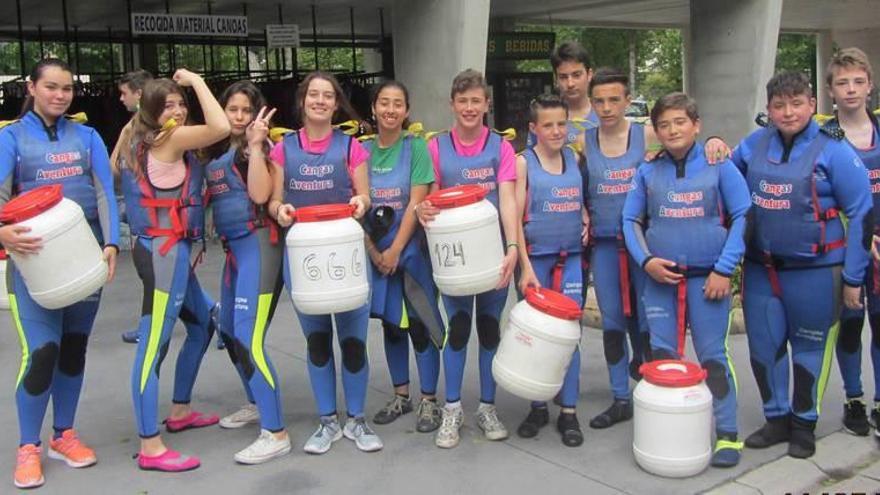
869, 41
433, 41
824, 48
733, 48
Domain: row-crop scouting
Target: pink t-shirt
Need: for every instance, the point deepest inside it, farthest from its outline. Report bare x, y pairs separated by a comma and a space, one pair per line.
165, 175
357, 154
506, 165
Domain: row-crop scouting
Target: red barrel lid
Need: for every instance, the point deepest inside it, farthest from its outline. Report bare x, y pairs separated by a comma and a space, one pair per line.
31, 203
453, 197
672, 373
323, 213
553, 303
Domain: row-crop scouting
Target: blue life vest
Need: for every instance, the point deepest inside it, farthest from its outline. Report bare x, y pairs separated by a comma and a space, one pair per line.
553, 210
391, 187
610, 179
317, 179
789, 221
235, 215
871, 158
176, 214
66, 161
481, 169
685, 214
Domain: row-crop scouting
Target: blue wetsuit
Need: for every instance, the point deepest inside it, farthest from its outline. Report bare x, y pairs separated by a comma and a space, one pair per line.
481, 169
552, 227
695, 215
54, 342
392, 295
251, 282
166, 223
849, 343
315, 179
798, 255
617, 278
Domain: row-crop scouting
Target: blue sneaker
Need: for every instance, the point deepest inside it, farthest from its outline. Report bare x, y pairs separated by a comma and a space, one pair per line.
727, 451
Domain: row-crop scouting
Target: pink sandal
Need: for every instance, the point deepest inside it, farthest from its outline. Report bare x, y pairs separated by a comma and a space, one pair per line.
170, 461
194, 420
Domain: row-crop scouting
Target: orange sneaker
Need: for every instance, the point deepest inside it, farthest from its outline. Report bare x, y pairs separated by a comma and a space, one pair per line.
71, 450
28, 472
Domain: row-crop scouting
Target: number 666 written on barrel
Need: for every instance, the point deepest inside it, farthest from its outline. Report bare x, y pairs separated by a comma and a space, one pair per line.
449, 254
335, 266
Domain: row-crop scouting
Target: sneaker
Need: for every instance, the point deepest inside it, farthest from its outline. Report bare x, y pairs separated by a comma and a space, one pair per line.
264, 448
727, 451
569, 427
775, 430
428, 416
131, 336
246, 415
70, 449
171, 461
447, 436
620, 410
395, 408
28, 471
538, 418
328, 432
855, 419
875, 419
487, 420
364, 437
195, 419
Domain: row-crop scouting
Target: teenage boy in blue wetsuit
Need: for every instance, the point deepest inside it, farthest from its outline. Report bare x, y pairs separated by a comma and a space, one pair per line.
800, 260
850, 81
683, 223
549, 193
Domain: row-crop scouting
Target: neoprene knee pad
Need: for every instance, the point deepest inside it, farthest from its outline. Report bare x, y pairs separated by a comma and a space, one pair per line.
72, 356
393, 333
760, 372
459, 331
874, 320
354, 354
802, 397
659, 353
614, 343
320, 348
229, 344
716, 379
488, 332
418, 333
187, 316
850, 338
39, 374
244, 359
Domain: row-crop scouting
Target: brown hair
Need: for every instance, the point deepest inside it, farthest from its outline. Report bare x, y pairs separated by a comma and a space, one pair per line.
675, 101
466, 80
256, 100
609, 75
344, 108
36, 74
146, 131
848, 58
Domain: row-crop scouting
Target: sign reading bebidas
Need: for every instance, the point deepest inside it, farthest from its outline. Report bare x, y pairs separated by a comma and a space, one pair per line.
189, 25
520, 46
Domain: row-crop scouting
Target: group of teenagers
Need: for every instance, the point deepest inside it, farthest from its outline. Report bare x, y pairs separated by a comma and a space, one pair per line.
661, 221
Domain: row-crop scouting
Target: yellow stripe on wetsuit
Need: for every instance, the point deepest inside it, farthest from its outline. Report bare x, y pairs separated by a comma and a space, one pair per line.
157, 318
264, 303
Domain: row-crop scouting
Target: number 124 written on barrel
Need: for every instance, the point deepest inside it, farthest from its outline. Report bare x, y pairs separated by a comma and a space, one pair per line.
449, 254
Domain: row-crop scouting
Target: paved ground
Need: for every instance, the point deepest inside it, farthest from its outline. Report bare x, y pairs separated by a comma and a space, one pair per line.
409, 463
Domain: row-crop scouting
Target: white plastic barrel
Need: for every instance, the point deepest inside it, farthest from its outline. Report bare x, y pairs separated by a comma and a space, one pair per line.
672, 420
70, 266
464, 240
4, 296
327, 260
536, 349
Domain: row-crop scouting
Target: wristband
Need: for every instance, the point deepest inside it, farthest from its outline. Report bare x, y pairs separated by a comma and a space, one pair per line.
512, 244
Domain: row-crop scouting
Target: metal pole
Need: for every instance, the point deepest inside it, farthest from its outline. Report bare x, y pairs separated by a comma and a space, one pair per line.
247, 55
211, 49
172, 56
40, 37
315, 35
354, 60
20, 39
110, 40
66, 33
76, 51
130, 37
281, 50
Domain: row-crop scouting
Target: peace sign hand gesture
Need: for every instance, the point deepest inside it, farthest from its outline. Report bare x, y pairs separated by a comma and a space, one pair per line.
258, 130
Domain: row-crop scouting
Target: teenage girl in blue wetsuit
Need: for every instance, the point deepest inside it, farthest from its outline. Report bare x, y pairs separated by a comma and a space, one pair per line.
344, 178
53, 342
162, 185
403, 292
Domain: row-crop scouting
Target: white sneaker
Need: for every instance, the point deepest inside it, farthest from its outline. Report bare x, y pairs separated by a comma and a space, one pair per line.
364, 437
447, 436
328, 432
487, 420
246, 415
264, 448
